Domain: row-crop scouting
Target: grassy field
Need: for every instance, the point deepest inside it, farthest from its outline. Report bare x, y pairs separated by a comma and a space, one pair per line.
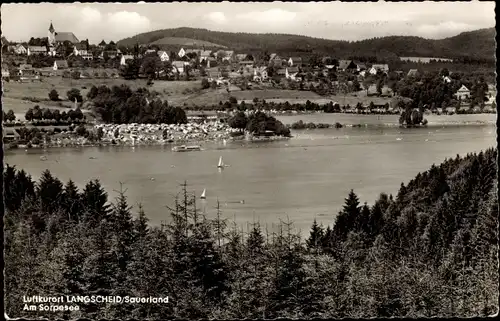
177, 93
21, 96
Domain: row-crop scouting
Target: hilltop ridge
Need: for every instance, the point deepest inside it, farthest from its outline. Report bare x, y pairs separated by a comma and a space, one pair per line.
477, 44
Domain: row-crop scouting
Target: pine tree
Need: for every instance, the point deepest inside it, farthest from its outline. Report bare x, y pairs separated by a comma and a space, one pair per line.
122, 225
346, 222
18, 186
94, 200
376, 221
49, 191
207, 263
72, 203
255, 241
315, 237
140, 224
364, 219
288, 286
12, 201
101, 267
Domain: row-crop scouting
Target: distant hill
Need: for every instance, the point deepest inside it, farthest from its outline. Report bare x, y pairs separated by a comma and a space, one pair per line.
185, 42
477, 44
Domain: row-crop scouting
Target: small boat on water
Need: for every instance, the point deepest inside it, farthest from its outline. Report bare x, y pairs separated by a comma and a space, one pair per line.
203, 196
221, 163
43, 158
185, 148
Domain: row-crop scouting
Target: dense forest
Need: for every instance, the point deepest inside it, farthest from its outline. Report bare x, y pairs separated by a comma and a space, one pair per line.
429, 251
478, 44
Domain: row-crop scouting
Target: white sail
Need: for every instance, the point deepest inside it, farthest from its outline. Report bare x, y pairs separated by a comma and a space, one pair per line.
221, 163
203, 194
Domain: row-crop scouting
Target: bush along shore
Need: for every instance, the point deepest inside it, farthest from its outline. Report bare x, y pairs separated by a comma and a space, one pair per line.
301, 125
429, 251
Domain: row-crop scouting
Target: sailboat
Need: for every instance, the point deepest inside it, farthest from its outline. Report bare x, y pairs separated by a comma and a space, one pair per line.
203, 196
221, 163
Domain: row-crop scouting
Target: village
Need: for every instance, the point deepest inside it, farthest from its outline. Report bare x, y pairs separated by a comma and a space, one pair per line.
218, 81
63, 55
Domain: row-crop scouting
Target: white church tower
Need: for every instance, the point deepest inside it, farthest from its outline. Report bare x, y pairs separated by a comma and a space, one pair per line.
51, 35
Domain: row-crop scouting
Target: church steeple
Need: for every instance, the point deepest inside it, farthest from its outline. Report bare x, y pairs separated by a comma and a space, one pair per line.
51, 35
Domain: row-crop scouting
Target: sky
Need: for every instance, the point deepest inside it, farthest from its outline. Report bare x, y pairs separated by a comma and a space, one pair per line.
332, 20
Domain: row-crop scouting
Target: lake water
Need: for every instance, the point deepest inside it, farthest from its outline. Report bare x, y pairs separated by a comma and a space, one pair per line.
353, 119
303, 178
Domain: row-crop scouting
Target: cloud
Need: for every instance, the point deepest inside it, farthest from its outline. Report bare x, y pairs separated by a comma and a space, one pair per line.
269, 16
217, 17
89, 22
126, 22
90, 16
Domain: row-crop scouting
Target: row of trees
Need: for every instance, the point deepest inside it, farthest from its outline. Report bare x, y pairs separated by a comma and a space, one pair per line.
36, 113
122, 105
308, 106
430, 251
71, 94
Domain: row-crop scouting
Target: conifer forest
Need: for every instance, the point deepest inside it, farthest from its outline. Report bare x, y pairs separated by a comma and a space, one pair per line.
429, 251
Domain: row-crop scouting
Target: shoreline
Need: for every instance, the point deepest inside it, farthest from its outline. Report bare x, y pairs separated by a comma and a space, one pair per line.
142, 144
178, 142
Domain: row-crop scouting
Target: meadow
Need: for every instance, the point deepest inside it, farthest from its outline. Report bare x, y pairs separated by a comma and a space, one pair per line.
21, 96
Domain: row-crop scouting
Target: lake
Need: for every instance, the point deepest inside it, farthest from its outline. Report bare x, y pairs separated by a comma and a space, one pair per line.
354, 119
303, 178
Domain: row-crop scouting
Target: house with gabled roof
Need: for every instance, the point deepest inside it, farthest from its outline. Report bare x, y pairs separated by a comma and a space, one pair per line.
124, 58
26, 72
260, 74
229, 55
102, 44
163, 55
295, 61
60, 64
36, 50
291, 73
379, 68
241, 57
82, 50
346, 65
276, 60
361, 66
20, 49
463, 93
205, 54
412, 73
110, 53
179, 66
181, 53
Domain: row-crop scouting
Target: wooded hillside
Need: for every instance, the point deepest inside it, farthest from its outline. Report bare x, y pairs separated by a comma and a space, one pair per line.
430, 251
479, 44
